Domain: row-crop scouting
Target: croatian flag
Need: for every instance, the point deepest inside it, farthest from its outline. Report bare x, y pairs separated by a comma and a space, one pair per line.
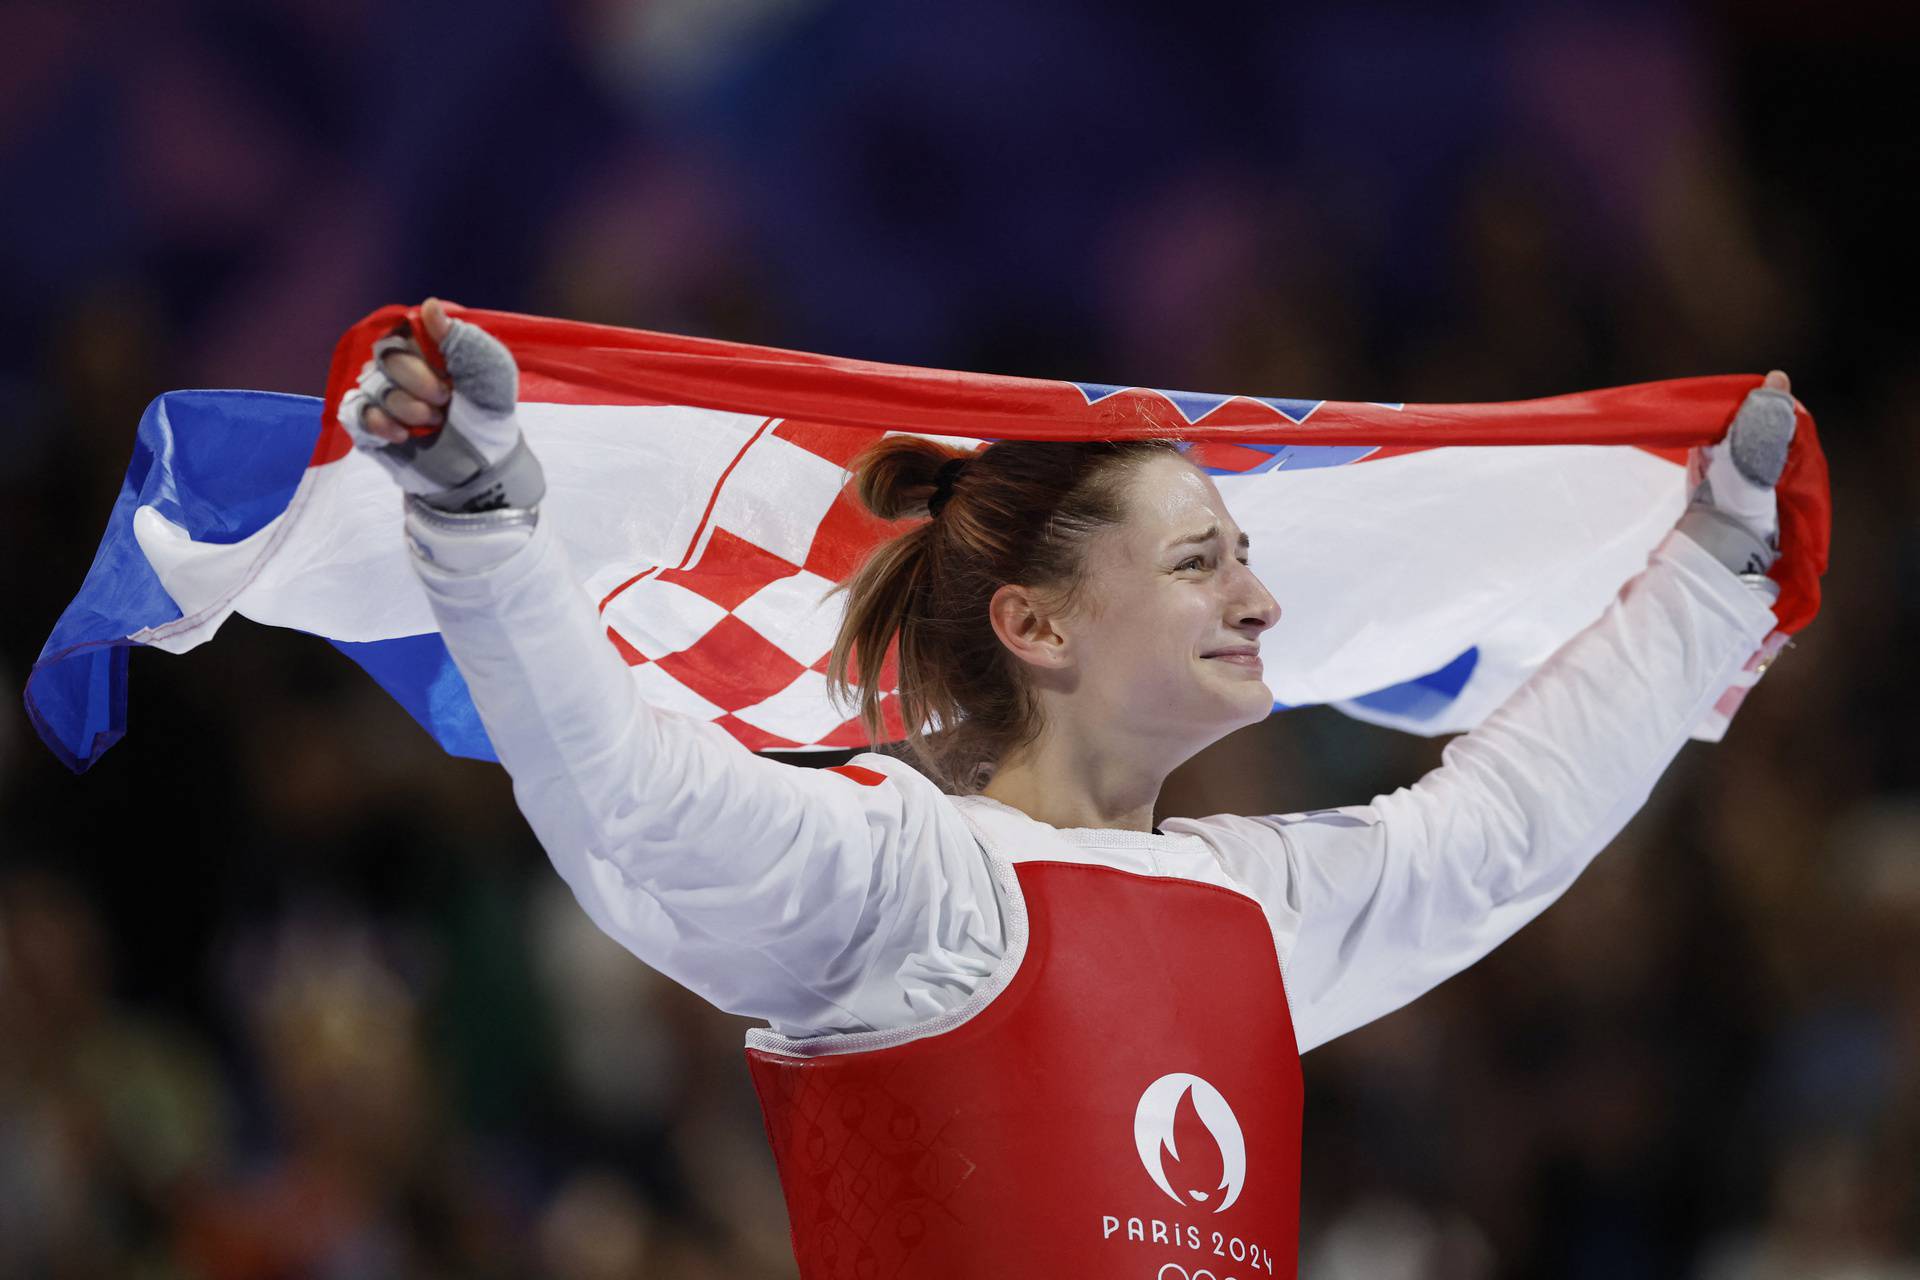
1428, 557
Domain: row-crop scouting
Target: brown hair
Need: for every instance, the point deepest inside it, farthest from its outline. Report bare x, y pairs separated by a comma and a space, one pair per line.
1017, 511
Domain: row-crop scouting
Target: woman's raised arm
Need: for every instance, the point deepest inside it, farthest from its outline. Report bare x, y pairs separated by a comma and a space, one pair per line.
815, 899
1389, 899
1385, 900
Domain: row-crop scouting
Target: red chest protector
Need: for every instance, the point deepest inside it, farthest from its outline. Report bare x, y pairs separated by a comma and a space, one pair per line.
1125, 1103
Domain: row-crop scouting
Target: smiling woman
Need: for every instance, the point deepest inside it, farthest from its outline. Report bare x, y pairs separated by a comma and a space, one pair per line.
1065, 595
1015, 1029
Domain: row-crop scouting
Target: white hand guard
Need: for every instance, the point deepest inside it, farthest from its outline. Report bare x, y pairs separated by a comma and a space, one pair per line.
477, 461
1734, 513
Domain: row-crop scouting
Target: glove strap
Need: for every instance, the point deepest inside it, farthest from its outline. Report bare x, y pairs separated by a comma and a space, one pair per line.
514, 481
1728, 539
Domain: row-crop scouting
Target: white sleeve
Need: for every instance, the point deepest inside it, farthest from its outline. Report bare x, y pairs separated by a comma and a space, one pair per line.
802, 896
1386, 900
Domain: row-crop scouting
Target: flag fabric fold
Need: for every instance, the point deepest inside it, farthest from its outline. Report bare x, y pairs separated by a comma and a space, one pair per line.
1427, 558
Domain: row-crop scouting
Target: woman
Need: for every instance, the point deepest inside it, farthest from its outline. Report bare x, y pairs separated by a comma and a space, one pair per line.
1016, 1029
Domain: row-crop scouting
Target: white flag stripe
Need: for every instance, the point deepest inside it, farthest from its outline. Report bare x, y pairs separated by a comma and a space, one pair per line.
776, 496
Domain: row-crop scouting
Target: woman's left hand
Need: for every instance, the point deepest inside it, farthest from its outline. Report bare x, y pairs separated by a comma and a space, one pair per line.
1733, 511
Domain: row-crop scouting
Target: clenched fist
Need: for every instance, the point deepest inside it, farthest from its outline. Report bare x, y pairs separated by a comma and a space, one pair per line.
451, 441
1733, 512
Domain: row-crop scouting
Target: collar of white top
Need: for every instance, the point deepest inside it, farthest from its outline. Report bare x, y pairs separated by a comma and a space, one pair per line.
1008, 820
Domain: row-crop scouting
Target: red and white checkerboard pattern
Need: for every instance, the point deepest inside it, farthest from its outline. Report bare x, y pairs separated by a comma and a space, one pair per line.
740, 632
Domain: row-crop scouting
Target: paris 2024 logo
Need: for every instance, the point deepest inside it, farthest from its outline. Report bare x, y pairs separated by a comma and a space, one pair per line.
1189, 1139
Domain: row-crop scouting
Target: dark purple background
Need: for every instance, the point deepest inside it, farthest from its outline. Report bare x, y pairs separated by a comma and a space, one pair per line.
284, 993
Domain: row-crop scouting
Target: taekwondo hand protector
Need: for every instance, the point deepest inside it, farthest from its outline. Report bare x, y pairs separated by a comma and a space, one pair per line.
478, 460
1733, 513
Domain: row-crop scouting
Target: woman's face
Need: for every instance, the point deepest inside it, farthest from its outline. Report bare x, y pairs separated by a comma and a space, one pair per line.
1170, 619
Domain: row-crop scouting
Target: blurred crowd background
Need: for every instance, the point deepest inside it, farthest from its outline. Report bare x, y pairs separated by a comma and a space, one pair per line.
285, 993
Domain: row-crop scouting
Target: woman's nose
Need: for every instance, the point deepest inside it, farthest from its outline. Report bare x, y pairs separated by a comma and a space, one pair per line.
1259, 609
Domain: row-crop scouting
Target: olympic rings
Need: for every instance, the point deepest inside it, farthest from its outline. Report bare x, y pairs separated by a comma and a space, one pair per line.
1202, 1273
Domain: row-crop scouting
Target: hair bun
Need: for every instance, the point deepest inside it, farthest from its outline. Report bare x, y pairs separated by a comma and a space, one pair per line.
943, 483
900, 475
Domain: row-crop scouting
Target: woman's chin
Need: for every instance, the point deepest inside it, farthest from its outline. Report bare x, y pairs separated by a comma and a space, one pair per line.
1218, 708
1250, 702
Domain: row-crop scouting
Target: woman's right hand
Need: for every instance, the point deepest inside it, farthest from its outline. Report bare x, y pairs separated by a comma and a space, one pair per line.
451, 440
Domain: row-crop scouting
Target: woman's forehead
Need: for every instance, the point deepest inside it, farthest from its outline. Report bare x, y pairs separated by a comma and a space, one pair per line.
1173, 498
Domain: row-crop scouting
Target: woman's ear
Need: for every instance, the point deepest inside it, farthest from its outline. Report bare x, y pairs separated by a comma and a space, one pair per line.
1024, 621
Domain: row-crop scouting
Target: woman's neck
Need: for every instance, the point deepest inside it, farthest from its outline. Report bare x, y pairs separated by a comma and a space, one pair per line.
1075, 788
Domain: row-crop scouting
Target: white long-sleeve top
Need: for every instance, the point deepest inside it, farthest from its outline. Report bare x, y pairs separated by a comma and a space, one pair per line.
804, 898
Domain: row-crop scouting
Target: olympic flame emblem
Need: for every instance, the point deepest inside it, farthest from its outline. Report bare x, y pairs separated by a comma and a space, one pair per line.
1179, 1127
